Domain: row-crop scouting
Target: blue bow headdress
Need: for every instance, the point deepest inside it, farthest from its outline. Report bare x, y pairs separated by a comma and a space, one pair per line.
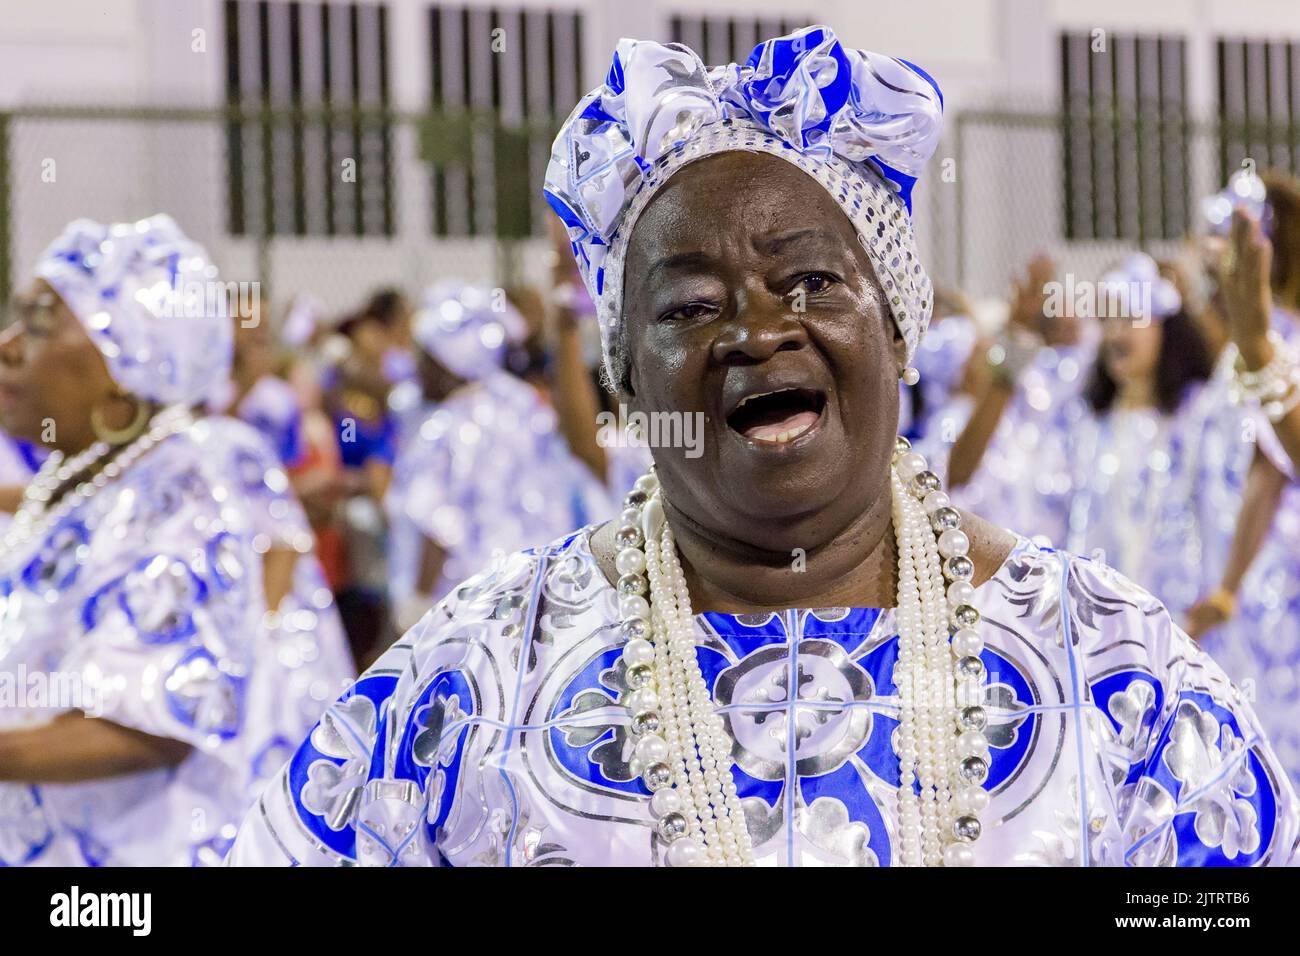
860, 123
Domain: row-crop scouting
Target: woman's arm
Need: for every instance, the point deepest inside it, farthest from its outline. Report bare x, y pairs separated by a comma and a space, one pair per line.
410, 609
993, 396
1263, 493
278, 566
74, 748
995, 384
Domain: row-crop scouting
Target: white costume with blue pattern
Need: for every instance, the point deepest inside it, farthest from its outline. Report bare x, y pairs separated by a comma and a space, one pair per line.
491, 734
146, 604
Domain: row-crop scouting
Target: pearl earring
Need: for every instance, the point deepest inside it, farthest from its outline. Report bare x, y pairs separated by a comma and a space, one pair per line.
911, 376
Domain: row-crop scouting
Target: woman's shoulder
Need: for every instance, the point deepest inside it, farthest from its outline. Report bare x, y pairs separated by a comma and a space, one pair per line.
1069, 580
1090, 620
502, 602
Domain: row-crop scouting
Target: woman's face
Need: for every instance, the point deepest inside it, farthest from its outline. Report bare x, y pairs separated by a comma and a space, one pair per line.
51, 374
750, 302
1130, 350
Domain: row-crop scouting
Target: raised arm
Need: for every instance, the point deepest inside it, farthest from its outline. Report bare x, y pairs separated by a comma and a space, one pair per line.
1265, 366
1013, 349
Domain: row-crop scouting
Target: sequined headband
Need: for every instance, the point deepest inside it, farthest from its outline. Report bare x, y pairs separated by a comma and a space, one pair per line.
863, 125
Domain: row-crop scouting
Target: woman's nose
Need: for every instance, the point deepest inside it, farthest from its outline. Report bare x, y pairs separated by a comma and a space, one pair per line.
764, 324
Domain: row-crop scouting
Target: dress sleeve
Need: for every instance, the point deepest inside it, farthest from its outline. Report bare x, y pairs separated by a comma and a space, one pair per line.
169, 635
382, 778
1203, 786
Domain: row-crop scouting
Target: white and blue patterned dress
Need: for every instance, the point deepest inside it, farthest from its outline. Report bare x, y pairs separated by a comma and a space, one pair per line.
146, 605
491, 734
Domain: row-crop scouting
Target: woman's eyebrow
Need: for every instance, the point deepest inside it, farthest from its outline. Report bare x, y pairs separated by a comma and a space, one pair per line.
771, 245
679, 260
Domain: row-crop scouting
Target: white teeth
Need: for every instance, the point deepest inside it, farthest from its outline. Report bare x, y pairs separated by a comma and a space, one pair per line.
756, 395
787, 436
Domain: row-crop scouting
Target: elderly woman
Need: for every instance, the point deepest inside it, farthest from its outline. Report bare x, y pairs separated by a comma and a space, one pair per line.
456, 502
143, 692
789, 650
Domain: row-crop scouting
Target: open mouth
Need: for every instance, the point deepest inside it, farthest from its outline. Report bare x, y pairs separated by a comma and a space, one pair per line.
777, 417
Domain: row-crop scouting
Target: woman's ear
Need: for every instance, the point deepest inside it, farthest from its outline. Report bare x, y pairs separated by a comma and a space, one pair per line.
625, 390
899, 346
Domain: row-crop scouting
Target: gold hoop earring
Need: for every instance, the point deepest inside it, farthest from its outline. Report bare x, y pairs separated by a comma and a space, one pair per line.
120, 436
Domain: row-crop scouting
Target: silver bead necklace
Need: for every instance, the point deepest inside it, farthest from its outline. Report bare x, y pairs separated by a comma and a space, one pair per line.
681, 750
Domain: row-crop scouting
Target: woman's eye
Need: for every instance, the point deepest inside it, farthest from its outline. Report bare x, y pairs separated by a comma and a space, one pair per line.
694, 310
814, 282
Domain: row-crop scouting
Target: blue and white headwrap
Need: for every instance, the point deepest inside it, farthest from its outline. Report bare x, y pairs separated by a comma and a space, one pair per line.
862, 124
467, 328
1245, 190
1135, 289
149, 299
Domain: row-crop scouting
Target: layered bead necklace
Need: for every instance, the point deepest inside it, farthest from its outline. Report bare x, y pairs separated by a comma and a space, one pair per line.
34, 517
681, 750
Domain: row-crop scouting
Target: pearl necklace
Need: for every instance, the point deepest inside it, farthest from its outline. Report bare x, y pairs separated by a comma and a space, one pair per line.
682, 752
34, 517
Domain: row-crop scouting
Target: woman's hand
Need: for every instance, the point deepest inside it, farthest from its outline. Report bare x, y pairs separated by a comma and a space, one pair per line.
1203, 617
1247, 297
1029, 295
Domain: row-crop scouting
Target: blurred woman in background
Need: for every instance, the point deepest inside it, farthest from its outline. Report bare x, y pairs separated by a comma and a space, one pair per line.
132, 593
255, 393
1145, 476
946, 373
1252, 620
482, 470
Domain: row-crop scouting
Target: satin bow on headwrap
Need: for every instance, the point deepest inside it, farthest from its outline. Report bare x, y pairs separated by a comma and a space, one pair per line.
861, 124
1135, 289
467, 328
149, 299
1245, 190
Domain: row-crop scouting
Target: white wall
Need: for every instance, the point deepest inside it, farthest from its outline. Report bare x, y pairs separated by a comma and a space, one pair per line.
134, 52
